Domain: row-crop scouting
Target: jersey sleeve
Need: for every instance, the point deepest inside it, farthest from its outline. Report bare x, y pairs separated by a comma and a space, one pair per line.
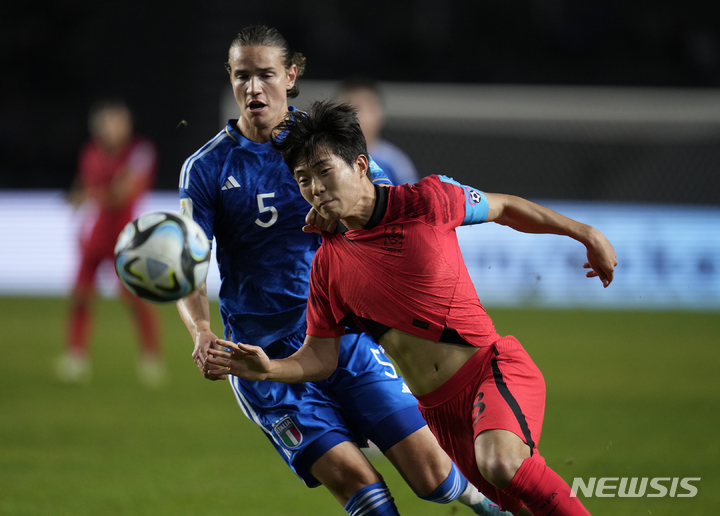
320, 317
197, 196
379, 177
442, 201
475, 201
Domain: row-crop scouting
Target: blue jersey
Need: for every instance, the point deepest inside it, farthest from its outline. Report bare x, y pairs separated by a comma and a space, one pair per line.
243, 194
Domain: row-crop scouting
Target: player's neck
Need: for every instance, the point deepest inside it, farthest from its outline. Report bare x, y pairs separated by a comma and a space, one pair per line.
261, 133
363, 209
114, 146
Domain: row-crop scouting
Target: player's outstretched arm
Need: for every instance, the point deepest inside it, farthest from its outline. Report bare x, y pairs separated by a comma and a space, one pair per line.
528, 217
194, 311
315, 360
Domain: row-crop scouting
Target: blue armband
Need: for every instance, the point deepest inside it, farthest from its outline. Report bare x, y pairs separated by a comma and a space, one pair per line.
476, 203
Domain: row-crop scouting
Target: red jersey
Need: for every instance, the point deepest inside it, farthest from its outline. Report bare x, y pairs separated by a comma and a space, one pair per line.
98, 168
403, 270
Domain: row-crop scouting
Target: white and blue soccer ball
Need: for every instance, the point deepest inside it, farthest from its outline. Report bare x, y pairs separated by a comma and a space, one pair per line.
162, 257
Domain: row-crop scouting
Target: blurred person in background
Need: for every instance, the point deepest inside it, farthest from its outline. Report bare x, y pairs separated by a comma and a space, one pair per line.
240, 191
116, 167
363, 93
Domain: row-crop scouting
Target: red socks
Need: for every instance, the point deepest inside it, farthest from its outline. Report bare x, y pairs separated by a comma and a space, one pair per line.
543, 491
146, 321
79, 328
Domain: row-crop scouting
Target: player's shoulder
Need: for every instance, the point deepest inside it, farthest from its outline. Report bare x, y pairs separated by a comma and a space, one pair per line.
142, 140
424, 197
208, 159
328, 243
90, 148
424, 187
217, 148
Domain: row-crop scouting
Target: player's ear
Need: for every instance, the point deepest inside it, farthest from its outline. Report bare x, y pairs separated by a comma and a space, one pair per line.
291, 73
362, 164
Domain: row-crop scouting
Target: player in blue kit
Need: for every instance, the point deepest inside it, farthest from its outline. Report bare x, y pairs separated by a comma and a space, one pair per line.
240, 191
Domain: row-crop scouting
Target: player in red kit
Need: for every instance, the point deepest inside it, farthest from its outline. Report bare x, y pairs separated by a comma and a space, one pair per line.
115, 169
394, 269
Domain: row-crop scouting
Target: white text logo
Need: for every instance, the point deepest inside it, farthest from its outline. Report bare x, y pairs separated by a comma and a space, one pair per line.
608, 487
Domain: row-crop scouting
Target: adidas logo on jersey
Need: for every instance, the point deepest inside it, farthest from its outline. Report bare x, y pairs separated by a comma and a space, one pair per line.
230, 183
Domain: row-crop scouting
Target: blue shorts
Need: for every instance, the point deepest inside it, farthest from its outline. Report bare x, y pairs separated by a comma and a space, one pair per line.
364, 399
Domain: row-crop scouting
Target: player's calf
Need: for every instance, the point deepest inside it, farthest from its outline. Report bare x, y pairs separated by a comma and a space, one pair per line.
456, 487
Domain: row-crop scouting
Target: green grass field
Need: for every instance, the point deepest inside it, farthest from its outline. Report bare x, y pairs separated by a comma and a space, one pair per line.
629, 395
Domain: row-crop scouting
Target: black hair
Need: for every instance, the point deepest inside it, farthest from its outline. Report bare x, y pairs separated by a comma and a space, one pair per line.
264, 36
326, 126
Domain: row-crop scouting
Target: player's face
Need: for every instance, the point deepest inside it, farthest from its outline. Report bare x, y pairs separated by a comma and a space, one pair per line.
111, 127
331, 186
260, 83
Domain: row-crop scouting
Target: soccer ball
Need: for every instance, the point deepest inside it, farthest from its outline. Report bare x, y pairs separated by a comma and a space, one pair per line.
162, 257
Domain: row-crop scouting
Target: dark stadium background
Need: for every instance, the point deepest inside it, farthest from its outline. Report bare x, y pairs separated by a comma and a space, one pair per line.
167, 60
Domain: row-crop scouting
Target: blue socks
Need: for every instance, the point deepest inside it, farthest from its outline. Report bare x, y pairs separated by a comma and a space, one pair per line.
372, 500
453, 486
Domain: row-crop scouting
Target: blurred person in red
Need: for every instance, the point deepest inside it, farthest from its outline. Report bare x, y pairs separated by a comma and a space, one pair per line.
116, 167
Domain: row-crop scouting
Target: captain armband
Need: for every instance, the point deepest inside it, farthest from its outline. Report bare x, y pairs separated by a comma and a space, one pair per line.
476, 203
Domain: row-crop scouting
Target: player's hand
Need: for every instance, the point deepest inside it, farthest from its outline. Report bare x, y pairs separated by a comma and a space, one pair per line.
241, 360
316, 223
601, 259
204, 341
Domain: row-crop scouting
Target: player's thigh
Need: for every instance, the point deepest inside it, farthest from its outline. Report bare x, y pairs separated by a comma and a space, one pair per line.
86, 272
344, 470
95, 250
511, 395
301, 421
372, 394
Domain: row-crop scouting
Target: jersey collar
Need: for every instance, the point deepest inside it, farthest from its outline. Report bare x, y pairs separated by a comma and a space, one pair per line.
379, 210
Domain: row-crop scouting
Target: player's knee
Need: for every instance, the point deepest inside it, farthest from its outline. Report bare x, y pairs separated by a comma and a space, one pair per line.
421, 461
345, 482
449, 489
498, 468
433, 476
344, 474
81, 297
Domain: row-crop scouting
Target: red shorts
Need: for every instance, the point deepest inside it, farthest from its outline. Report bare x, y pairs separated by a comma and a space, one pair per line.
500, 387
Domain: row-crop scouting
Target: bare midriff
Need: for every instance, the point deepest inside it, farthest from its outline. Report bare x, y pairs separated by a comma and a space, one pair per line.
424, 364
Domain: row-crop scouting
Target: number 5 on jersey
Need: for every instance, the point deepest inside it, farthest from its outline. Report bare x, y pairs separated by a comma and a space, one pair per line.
377, 353
264, 209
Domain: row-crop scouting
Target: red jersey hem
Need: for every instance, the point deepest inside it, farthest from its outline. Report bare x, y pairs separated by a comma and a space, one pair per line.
317, 332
